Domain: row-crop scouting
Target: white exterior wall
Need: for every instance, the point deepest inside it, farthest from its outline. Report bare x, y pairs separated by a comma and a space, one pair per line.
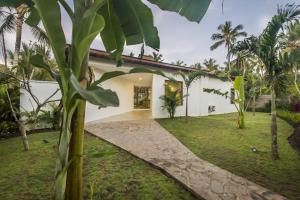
124, 89
42, 90
221, 104
199, 101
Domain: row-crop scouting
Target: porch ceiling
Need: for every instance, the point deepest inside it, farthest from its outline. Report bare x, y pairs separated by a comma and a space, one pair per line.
140, 79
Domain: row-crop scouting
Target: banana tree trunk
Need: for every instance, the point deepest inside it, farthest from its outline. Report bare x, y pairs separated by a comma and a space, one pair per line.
74, 176
19, 25
241, 120
274, 125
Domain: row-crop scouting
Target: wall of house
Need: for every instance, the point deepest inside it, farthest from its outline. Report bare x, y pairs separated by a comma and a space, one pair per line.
123, 88
222, 104
42, 90
199, 101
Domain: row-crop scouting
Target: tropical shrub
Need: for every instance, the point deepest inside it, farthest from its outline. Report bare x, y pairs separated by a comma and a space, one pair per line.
292, 118
8, 125
171, 100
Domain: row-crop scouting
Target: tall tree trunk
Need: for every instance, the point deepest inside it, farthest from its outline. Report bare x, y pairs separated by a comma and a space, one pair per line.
274, 125
74, 175
187, 103
20, 123
253, 106
228, 62
22, 130
4, 49
19, 25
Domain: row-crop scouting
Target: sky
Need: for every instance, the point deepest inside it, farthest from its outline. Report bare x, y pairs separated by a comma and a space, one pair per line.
181, 39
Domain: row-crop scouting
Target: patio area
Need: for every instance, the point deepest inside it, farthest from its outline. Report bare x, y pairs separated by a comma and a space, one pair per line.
128, 116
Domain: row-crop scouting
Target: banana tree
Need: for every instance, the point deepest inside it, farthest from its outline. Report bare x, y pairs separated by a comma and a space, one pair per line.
239, 101
116, 22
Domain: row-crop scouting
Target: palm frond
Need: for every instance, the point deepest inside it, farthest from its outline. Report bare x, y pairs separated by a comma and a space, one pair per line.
217, 36
8, 24
241, 34
40, 35
217, 44
238, 28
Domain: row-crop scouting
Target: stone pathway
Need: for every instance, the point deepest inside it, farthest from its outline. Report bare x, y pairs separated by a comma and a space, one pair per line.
147, 140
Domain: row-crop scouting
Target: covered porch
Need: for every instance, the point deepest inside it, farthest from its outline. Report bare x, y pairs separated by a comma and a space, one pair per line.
134, 92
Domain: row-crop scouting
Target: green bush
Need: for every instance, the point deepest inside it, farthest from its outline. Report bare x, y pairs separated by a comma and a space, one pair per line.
171, 100
8, 126
292, 118
7, 129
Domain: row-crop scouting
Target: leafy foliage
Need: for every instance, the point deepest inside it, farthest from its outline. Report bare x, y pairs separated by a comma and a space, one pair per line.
171, 100
117, 22
211, 64
217, 92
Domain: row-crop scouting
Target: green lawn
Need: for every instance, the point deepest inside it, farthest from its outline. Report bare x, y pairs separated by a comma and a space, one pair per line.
218, 140
114, 173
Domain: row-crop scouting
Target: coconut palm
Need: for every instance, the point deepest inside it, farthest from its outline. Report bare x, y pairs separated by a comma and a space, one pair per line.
211, 64
267, 48
188, 78
157, 57
227, 36
179, 63
13, 20
197, 65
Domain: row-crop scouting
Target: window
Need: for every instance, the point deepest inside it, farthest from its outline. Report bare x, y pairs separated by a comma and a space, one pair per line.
173, 86
232, 95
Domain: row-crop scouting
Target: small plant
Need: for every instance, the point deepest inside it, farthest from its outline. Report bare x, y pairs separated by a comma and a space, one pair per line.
171, 100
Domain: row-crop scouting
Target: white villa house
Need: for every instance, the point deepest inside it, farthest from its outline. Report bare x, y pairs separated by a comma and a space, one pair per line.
141, 92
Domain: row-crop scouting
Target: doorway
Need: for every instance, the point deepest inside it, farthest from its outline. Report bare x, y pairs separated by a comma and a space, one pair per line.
142, 97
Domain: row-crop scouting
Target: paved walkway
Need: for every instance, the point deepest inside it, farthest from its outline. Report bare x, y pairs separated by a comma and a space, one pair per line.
129, 116
147, 140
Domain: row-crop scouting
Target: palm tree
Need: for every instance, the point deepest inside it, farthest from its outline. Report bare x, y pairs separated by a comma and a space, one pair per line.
292, 51
197, 65
188, 79
227, 36
179, 63
157, 57
267, 48
211, 64
13, 20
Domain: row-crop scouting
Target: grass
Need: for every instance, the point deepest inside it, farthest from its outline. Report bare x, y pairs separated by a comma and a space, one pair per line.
113, 173
218, 140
